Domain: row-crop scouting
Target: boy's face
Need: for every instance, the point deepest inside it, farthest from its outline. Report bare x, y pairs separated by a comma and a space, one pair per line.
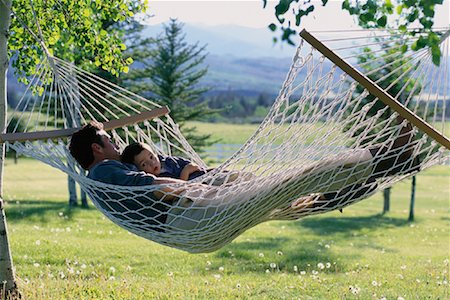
148, 162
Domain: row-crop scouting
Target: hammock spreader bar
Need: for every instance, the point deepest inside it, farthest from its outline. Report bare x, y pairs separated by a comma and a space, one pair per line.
376, 90
110, 125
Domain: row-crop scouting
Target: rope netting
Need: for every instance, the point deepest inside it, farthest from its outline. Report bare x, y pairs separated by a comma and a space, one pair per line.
325, 144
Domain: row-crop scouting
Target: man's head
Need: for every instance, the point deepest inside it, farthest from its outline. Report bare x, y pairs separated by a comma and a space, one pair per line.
143, 157
91, 145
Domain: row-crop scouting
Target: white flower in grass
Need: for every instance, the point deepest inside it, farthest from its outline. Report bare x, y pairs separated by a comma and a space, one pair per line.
295, 269
238, 285
83, 266
400, 276
112, 270
261, 254
273, 265
71, 270
314, 272
280, 253
446, 262
327, 246
208, 263
61, 214
128, 268
170, 274
354, 290
383, 298
38, 243
400, 298
403, 267
26, 281
328, 265
302, 272
267, 271
37, 265
112, 278
321, 266
217, 276
374, 283
221, 269
62, 275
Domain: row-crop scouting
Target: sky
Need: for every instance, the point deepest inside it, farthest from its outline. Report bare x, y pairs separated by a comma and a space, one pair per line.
250, 13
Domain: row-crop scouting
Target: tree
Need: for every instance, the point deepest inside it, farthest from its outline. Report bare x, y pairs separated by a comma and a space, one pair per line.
83, 32
369, 14
169, 70
72, 30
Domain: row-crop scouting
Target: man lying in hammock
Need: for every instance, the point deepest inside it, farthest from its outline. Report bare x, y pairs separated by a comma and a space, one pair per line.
93, 149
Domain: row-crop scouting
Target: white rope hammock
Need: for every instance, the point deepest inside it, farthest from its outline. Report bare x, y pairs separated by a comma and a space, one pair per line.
313, 141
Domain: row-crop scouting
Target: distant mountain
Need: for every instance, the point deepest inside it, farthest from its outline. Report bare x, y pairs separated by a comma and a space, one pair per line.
239, 58
231, 40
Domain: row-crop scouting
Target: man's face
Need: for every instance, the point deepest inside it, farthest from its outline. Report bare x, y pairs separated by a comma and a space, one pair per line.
148, 162
109, 149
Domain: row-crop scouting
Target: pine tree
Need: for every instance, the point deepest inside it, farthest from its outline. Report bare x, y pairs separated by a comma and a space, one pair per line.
168, 70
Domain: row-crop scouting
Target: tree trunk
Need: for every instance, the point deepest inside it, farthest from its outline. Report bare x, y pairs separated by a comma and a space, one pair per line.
72, 192
7, 281
413, 199
387, 200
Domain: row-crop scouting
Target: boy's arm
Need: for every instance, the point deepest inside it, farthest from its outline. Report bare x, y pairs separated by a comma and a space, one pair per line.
188, 170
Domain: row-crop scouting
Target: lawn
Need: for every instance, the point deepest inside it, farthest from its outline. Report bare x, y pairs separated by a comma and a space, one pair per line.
62, 253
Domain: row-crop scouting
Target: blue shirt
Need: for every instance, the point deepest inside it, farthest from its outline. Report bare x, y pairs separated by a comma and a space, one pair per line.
171, 166
139, 208
115, 172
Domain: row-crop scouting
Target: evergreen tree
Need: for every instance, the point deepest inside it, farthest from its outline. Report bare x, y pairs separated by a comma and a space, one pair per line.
169, 70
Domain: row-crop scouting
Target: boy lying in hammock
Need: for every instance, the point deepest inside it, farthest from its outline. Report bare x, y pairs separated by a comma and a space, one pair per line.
145, 159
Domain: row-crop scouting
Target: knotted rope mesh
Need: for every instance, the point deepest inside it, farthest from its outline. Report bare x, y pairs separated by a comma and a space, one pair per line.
325, 144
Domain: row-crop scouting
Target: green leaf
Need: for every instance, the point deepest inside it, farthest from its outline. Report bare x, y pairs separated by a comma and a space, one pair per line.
129, 60
399, 9
382, 21
436, 55
273, 27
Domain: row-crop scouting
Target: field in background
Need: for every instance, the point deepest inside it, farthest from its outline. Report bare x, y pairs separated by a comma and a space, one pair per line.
62, 253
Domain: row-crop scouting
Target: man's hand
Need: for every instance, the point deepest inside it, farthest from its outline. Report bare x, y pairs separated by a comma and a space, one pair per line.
188, 170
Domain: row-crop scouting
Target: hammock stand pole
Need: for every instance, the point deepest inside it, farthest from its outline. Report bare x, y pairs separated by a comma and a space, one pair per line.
8, 285
110, 125
376, 90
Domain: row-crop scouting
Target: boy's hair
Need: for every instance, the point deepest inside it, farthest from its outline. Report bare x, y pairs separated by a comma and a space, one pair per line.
133, 149
81, 141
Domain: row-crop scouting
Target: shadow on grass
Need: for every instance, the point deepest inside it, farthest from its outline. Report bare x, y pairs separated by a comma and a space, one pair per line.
304, 248
38, 210
332, 225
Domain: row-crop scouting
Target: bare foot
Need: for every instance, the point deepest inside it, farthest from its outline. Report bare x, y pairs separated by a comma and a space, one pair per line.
307, 201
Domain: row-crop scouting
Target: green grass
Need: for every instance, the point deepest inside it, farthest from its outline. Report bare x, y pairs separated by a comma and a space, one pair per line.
62, 253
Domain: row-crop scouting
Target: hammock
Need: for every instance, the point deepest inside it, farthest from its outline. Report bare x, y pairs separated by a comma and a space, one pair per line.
312, 143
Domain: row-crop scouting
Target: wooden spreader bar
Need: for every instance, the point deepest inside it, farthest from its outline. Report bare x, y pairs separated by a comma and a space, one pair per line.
110, 125
376, 90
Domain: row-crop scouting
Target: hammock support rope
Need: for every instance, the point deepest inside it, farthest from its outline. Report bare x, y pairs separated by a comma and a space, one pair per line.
375, 90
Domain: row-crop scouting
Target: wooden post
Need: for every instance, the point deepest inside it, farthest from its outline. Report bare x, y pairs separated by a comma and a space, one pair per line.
7, 281
413, 199
375, 90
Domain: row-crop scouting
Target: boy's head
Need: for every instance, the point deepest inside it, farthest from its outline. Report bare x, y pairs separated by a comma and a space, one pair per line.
143, 157
91, 145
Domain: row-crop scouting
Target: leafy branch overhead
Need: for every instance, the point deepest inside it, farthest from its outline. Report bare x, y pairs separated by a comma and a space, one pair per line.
78, 31
369, 14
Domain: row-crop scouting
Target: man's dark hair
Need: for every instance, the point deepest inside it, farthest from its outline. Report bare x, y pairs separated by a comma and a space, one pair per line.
130, 152
81, 141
